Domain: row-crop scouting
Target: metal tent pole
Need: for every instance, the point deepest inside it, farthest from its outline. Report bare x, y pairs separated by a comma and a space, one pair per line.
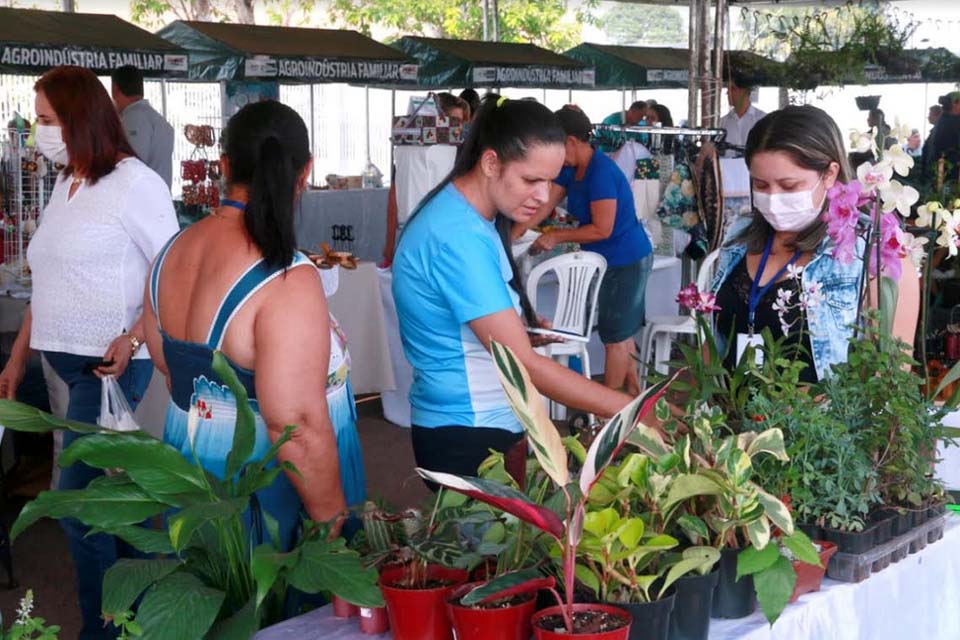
313, 135
486, 19
163, 97
367, 108
694, 43
703, 57
495, 17
718, 33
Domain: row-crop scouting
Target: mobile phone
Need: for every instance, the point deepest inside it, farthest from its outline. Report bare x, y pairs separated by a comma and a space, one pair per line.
91, 367
558, 333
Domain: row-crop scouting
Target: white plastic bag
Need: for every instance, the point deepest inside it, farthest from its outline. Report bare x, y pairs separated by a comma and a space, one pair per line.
115, 412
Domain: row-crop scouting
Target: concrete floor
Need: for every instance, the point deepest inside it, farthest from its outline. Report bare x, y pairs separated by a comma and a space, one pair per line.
42, 561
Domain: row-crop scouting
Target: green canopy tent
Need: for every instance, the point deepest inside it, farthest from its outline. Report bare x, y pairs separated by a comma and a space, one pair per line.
220, 51
473, 63
33, 41
619, 67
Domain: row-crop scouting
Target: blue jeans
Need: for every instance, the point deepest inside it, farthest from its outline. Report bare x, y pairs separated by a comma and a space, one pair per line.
92, 555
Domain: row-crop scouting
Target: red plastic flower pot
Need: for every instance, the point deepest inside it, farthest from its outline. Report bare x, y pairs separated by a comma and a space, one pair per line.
810, 576
374, 620
539, 633
507, 623
419, 614
344, 609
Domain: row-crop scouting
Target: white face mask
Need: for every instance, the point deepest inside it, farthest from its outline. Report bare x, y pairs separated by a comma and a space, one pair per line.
794, 211
50, 143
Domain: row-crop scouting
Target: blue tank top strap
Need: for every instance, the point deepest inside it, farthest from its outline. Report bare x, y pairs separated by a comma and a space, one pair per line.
247, 285
155, 275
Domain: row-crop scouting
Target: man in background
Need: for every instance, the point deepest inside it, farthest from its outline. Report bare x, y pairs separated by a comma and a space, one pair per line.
631, 118
743, 115
149, 134
945, 139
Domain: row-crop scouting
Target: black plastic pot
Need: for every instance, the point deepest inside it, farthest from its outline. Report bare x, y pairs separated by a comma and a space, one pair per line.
651, 620
919, 517
849, 541
882, 527
900, 520
732, 598
813, 531
690, 619
866, 103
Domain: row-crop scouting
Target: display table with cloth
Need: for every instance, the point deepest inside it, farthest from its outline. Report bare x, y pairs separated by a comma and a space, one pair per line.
363, 209
914, 598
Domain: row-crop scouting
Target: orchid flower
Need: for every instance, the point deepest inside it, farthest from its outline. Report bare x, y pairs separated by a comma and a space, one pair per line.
901, 132
874, 176
861, 142
896, 196
948, 232
900, 160
916, 250
926, 214
693, 299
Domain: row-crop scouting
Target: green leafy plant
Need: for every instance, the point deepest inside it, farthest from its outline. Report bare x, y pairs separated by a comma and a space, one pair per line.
209, 580
27, 627
549, 450
773, 574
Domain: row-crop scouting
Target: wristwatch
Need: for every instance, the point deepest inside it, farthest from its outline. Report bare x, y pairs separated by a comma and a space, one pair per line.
135, 344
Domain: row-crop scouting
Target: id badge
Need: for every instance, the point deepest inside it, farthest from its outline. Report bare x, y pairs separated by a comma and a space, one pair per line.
745, 340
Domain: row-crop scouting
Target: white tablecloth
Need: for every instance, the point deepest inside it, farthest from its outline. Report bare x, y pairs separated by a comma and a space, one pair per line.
914, 599
917, 598
364, 209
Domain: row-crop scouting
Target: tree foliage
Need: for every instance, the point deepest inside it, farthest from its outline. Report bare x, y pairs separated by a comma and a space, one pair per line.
547, 23
156, 13
631, 24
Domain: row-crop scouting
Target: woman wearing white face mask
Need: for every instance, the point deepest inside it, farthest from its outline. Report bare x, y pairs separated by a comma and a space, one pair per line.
795, 156
106, 219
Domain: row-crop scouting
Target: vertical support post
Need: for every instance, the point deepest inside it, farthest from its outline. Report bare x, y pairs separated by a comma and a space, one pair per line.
718, 38
703, 60
163, 97
366, 99
486, 19
393, 114
693, 45
495, 19
313, 134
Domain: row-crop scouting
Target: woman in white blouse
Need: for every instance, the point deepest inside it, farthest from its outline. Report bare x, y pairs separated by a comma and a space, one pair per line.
107, 218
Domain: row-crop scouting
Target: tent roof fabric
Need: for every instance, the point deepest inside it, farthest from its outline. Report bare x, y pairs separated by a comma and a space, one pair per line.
32, 26
649, 57
300, 42
501, 53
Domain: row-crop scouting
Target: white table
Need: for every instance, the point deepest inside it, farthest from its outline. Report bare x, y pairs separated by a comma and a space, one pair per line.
916, 599
363, 209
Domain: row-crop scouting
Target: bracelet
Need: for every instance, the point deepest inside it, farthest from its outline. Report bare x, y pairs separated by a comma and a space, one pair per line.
135, 344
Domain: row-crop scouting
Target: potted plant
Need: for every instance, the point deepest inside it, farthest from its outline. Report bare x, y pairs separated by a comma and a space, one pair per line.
497, 611
209, 579
568, 619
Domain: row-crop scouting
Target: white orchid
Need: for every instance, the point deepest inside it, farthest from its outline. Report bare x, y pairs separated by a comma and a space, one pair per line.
812, 296
862, 142
794, 272
899, 197
948, 232
900, 160
900, 131
915, 248
874, 176
927, 214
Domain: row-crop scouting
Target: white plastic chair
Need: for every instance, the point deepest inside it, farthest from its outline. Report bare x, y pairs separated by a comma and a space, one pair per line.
659, 331
579, 275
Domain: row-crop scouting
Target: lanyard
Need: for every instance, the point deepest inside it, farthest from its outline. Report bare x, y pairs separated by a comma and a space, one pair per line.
756, 291
233, 203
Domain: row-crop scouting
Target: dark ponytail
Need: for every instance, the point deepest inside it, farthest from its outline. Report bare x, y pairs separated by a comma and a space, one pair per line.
509, 128
267, 148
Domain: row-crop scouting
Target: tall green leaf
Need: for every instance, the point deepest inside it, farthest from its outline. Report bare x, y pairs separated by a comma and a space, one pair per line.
18, 416
327, 565
142, 539
155, 466
266, 566
128, 578
889, 293
179, 606
240, 626
614, 435
245, 430
104, 506
183, 524
774, 587
699, 559
531, 409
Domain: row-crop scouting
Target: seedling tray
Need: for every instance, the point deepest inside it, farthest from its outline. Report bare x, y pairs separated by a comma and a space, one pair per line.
857, 567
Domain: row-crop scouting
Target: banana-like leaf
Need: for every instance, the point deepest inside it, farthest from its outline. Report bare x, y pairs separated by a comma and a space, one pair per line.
183, 524
179, 606
774, 508
141, 538
155, 466
531, 410
508, 585
614, 435
245, 429
699, 559
128, 578
502, 497
22, 417
103, 506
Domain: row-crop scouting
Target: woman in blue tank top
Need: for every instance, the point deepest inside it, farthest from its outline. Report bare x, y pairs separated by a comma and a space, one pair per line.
234, 282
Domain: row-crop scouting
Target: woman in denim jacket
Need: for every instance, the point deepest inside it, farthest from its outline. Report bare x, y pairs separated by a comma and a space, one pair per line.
783, 252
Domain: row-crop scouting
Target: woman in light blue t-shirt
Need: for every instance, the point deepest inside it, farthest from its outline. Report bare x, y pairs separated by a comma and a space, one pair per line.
456, 289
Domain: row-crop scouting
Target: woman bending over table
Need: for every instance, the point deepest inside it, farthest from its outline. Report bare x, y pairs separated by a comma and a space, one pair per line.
795, 156
456, 289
